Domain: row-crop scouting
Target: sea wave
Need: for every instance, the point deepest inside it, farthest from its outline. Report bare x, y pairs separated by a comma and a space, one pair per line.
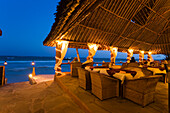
44, 66
26, 68
18, 69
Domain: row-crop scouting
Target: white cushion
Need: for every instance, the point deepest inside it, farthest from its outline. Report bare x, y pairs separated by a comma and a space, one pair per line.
104, 71
86, 62
128, 76
156, 70
116, 66
119, 76
139, 73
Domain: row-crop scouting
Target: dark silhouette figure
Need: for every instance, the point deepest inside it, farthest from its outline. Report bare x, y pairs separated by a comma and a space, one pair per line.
132, 60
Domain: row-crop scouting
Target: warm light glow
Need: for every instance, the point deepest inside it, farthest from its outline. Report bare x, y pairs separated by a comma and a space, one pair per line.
59, 68
59, 42
30, 75
64, 44
114, 48
57, 58
5, 63
58, 72
33, 63
150, 53
130, 50
57, 50
94, 46
62, 36
142, 52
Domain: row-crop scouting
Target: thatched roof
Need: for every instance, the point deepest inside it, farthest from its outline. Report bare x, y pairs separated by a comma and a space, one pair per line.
136, 24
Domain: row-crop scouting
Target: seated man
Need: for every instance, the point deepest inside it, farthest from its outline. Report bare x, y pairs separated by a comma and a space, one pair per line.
132, 60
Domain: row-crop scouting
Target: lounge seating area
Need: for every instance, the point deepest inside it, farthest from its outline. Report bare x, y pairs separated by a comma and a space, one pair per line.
104, 87
116, 104
115, 26
141, 90
129, 81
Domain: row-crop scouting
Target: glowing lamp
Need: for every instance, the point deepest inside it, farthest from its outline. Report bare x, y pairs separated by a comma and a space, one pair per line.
33, 63
59, 42
149, 52
93, 46
142, 52
30, 75
5, 63
115, 48
130, 50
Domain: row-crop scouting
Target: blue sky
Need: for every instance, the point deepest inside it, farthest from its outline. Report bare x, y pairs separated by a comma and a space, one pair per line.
26, 23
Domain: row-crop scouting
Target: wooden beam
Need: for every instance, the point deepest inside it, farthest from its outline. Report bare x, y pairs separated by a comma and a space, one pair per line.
117, 42
137, 38
98, 30
144, 26
78, 57
153, 11
163, 44
165, 29
114, 13
88, 10
158, 36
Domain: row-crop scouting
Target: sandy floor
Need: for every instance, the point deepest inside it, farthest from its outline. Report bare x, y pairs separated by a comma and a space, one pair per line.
117, 105
46, 97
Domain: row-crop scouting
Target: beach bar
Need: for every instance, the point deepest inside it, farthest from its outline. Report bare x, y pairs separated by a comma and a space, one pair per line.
131, 26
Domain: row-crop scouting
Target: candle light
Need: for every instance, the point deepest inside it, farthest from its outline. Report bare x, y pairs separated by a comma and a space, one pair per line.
30, 75
33, 63
5, 63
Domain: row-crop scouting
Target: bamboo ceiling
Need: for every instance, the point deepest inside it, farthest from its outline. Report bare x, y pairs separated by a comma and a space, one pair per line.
135, 24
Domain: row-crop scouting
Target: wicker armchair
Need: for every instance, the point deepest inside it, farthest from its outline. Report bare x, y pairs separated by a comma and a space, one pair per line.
141, 91
84, 78
103, 86
73, 68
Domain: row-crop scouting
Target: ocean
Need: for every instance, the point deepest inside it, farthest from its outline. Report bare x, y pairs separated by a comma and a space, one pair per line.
18, 69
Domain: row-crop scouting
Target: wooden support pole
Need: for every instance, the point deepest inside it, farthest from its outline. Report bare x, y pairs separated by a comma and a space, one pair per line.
168, 97
141, 56
3, 75
149, 57
129, 55
78, 57
58, 57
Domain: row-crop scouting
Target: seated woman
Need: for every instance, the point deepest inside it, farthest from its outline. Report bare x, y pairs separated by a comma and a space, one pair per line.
132, 60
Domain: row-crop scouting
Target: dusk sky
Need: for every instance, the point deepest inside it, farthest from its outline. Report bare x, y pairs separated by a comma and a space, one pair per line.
26, 23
